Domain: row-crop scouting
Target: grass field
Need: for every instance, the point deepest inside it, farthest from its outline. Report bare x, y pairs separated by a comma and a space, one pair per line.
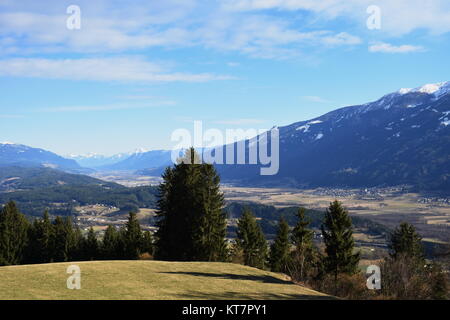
153, 280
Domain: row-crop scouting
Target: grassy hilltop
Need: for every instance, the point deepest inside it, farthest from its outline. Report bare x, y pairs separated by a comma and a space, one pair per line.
153, 280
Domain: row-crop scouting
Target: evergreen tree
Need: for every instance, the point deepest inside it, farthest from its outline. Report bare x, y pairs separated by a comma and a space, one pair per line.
338, 237
406, 274
13, 235
62, 242
280, 249
302, 256
39, 240
91, 247
251, 240
133, 237
147, 243
210, 230
77, 252
110, 244
191, 224
32, 253
406, 241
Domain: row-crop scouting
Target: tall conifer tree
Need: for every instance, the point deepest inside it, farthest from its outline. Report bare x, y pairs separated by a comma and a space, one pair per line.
110, 244
406, 241
133, 237
302, 256
91, 247
280, 249
338, 237
147, 243
191, 224
39, 240
62, 240
251, 240
13, 235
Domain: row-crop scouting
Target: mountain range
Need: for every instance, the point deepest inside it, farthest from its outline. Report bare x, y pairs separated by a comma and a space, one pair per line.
12, 154
401, 138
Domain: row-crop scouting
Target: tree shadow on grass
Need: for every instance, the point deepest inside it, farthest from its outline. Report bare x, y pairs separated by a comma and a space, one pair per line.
232, 276
245, 296
229, 295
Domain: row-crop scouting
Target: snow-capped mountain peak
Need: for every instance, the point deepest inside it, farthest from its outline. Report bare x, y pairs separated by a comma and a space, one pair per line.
8, 143
432, 88
140, 150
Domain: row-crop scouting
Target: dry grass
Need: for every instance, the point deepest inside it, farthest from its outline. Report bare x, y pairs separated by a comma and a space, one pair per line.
153, 280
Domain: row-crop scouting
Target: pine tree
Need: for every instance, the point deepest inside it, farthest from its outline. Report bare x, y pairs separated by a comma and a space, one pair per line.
338, 237
39, 240
110, 244
77, 251
46, 232
13, 235
147, 243
91, 245
302, 256
210, 231
62, 240
406, 274
280, 249
132, 237
406, 241
251, 240
191, 224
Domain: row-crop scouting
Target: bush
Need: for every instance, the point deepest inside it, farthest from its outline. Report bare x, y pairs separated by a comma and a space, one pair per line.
351, 287
407, 278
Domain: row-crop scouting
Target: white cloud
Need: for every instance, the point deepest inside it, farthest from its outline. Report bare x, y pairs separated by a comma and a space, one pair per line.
398, 17
98, 69
315, 99
249, 27
389, 48
106, 28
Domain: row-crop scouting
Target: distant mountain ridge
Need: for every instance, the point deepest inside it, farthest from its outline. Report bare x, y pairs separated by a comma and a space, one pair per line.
19, 179
95, 160
12, 154
38, 189
142, 160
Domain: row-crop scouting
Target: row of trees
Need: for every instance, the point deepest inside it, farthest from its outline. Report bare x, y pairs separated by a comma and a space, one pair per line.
44, 241
293, 252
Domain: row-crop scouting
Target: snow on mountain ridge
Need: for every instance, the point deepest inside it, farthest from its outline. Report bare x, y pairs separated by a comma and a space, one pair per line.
430, 88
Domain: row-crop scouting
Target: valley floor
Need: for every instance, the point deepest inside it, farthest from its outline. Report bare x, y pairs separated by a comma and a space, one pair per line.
388, 206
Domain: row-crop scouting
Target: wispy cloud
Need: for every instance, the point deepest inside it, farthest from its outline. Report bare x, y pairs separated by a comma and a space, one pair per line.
233, 64
172, 24
398, 17
316, 99
389, 48
99, 69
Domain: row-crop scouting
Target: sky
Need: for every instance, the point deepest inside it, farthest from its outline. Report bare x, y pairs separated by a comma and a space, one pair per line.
130, 73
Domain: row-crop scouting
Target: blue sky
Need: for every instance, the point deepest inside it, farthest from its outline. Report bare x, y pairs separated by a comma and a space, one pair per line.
133, 74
